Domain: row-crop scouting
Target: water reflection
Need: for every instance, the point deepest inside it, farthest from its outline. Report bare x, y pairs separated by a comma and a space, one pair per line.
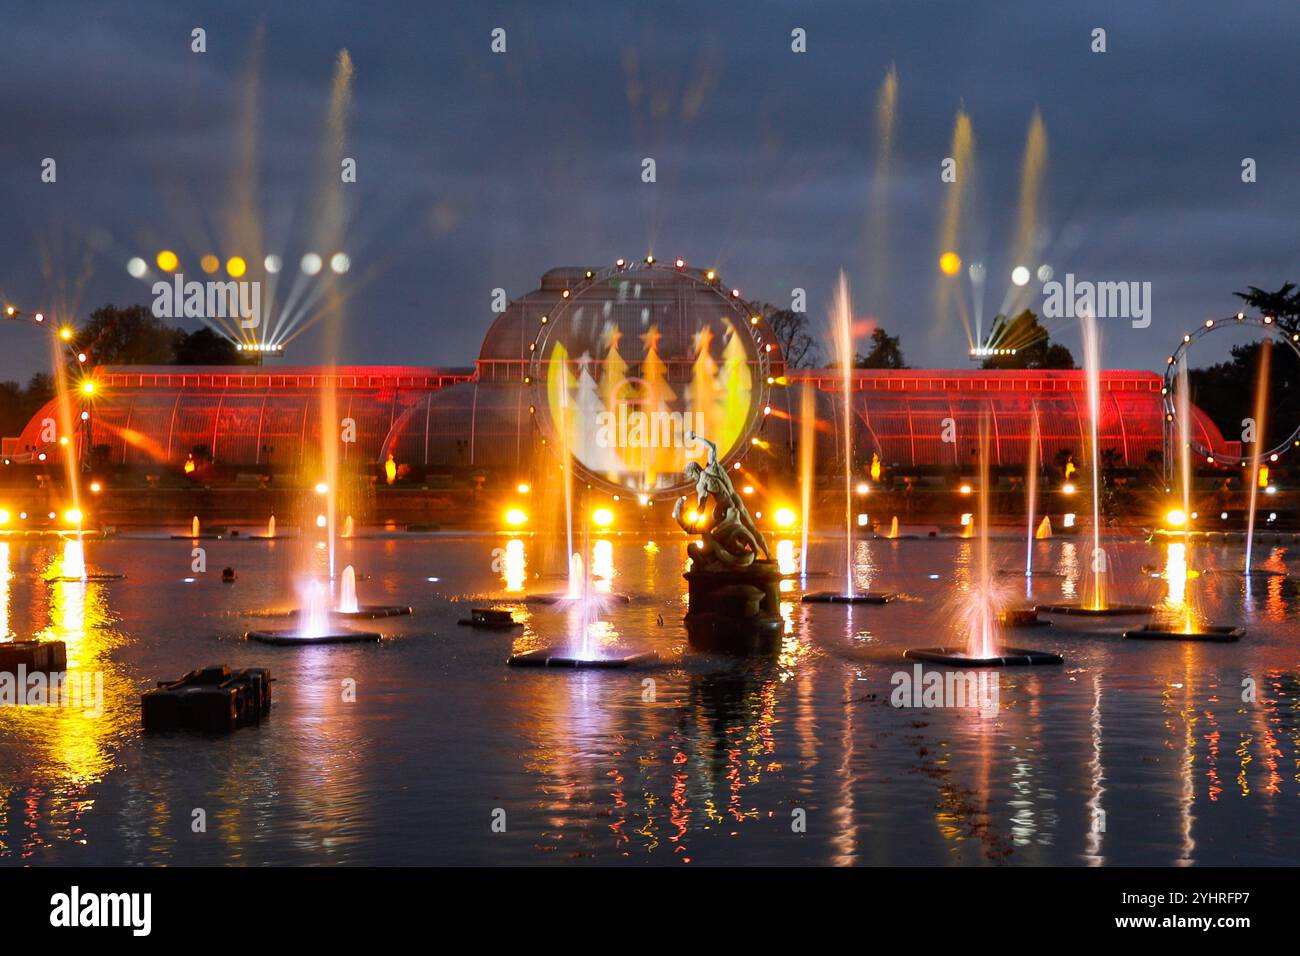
1132, 753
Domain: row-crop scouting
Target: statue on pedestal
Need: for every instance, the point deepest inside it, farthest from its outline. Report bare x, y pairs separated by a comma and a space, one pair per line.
733, 582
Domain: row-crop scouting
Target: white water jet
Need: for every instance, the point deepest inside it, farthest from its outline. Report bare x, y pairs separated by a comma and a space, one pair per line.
844, 341
1092, 370
1031, 495
348, 592
807, 456
1261, 408
982, 639
74, 560
313, 617
577, 577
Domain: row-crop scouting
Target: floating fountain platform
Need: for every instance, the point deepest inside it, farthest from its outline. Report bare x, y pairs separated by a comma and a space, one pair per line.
956, 657
560, 598
1012, 573
498, 619
286, 637
364, 612
210, 699
835, 597
371, 611
1111, 610
564, 657
1220, 633
33, 656
1021, 617
89, 576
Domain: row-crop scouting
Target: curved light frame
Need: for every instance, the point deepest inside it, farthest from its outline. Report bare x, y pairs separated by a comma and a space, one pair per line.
760, 337
1270, 326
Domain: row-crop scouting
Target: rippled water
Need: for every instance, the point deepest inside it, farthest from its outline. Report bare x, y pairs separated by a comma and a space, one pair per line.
1133, 752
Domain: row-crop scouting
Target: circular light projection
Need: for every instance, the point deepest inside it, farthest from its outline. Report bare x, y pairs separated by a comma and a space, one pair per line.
209, 263
976, 272
273, 264
136, 267
633, 362
311, 264
167, 260
1020, 276
340, 263
1271, 330
950, 263
236, 266
1045, 273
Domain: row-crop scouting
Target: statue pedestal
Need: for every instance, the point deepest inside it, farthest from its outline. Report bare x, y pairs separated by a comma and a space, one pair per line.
735, 610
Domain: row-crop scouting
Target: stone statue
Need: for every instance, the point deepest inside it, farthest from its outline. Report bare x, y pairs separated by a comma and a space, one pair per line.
728, 536
734, 604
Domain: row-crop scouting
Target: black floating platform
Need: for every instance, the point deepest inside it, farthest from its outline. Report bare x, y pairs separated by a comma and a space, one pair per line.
211, 699
955, 657
93, 576
1222, 634
1021, 617
1082, 610
286, 637
499, 619
1031, 574
368, 612
563, 657
834, 597
560, 598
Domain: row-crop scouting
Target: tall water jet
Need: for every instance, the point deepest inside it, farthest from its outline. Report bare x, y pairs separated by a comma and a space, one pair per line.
348, 592
328, 231
314, 619
74, 561
842, 325
878, 226
1092, 370
961, 151
983, 647
1261, 408
983, 637
347, 527
1177, 572
1033, 165
843, 320
270, 527
577, 577
194, 526
807, 460
1098, 603
1031, 491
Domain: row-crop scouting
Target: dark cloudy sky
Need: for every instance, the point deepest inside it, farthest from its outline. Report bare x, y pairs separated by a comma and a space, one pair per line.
479, 171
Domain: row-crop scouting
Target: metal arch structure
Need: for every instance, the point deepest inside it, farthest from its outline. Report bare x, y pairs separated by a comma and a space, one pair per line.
12, 313
1270, 327
766, 351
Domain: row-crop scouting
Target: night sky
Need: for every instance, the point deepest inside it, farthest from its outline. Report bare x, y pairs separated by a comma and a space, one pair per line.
479, 170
